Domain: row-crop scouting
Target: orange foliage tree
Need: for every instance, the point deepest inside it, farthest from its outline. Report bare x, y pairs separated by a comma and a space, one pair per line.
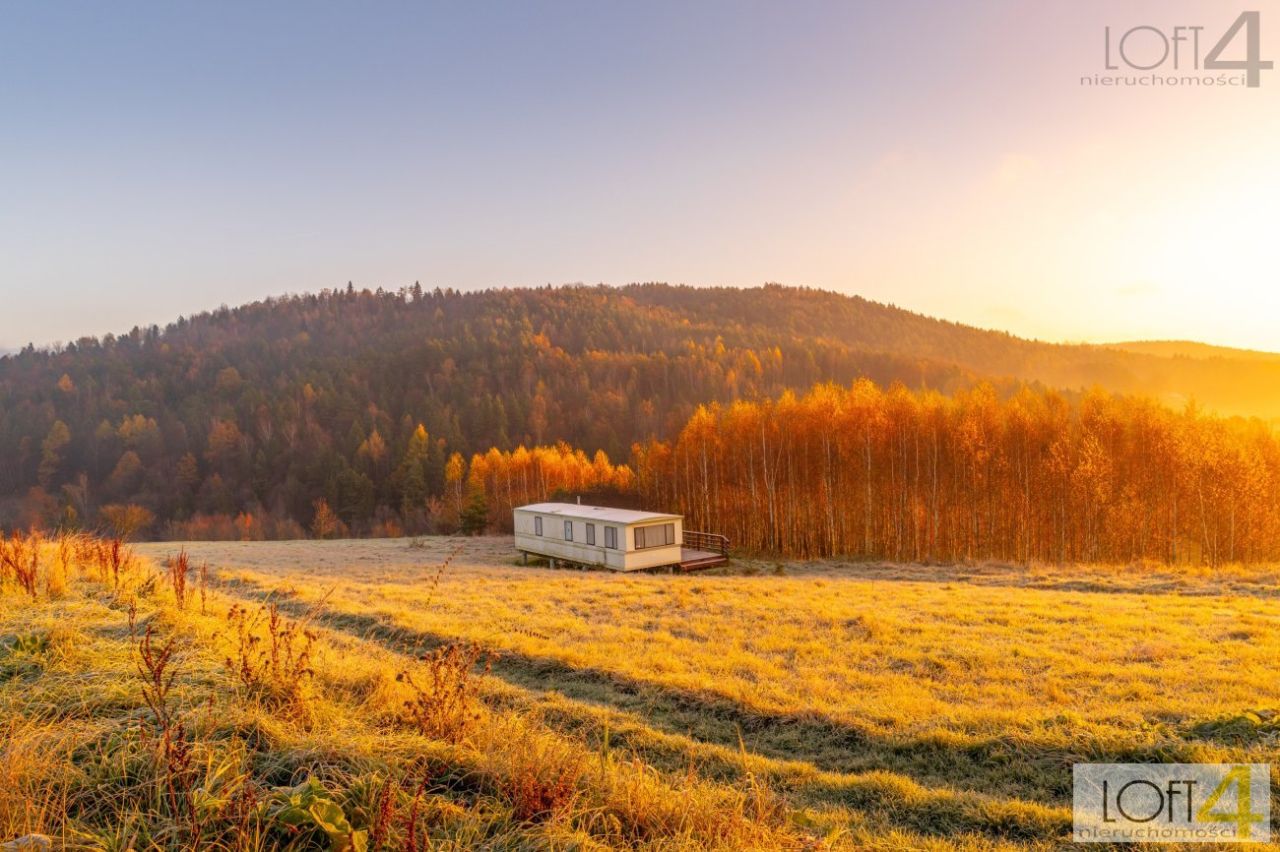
895, 474
507, 479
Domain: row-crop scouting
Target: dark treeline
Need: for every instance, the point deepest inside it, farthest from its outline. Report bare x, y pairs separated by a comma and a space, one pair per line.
266, 409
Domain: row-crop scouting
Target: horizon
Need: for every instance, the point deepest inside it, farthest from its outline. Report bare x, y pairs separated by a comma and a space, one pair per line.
11, 348
947, 161
7, 348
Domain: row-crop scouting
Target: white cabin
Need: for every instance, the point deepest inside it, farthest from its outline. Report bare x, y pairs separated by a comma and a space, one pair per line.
618, 539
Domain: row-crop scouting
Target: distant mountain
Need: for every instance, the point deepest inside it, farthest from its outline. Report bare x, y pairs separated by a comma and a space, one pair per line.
279, 402
1239, 382
1191, 349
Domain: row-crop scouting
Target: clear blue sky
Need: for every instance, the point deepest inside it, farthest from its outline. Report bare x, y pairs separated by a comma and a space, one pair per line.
159, 159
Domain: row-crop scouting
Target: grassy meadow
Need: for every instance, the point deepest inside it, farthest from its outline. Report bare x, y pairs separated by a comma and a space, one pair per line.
365, 694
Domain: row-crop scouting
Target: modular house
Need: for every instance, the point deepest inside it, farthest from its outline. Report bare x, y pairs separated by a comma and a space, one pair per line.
619, 539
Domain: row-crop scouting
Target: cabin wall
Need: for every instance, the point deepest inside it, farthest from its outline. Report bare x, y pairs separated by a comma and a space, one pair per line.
652, 557
627, 557
552, 543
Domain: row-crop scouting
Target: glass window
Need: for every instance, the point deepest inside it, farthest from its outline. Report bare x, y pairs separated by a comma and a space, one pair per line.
591, 533
568, 530
611, 537
537, 526
658, 535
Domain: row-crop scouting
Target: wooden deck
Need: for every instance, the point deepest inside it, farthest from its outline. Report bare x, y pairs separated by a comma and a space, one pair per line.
700, 550
696, 560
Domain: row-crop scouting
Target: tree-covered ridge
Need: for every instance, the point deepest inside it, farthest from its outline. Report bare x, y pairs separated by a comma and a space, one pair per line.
270, 407
1226, 381
359, 398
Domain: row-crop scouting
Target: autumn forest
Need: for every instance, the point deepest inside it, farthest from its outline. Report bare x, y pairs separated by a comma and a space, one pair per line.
796, 422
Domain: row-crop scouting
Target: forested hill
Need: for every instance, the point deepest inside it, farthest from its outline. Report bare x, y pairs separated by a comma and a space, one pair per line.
273, 405
1226, 381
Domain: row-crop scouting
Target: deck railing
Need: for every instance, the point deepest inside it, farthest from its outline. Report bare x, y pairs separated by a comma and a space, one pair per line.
711, 542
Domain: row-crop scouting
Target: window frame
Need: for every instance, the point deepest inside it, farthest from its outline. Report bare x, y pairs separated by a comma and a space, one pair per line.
611, 535
537, 525
591, 534
568, 530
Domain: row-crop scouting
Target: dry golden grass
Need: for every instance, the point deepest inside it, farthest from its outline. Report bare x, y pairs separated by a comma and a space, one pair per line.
132, 721
764, 706
943, 701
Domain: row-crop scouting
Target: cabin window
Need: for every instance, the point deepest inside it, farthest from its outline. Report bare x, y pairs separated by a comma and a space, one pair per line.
591, 533
568, 530
611, 537
537, 526
656, 536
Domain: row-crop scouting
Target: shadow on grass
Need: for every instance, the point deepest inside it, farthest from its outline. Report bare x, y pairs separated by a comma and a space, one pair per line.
1010, 787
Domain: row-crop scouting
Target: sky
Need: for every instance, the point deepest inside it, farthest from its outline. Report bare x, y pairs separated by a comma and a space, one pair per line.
161, 159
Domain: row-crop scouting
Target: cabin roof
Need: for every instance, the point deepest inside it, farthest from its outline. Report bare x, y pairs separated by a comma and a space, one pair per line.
601, 513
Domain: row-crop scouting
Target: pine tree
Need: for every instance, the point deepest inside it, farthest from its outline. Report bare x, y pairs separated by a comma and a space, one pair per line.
475, 515
51, 452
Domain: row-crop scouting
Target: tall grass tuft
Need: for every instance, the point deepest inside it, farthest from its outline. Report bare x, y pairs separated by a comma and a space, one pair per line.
178, 568
173, 748
270, 656
20, 561
445, 690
